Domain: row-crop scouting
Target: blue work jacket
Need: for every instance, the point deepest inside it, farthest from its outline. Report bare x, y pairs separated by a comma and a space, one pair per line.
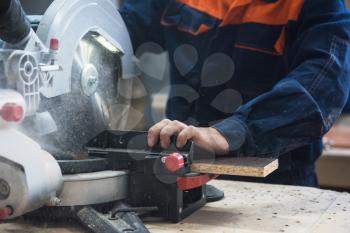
288, 71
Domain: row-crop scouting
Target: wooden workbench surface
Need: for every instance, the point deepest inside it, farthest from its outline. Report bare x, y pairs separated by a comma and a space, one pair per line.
247, 208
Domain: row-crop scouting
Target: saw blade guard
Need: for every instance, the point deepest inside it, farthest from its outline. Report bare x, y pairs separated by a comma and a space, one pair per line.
83, 98
71, 20
70, 73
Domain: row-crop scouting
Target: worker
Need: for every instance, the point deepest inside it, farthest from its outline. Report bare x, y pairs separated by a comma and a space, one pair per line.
291, 70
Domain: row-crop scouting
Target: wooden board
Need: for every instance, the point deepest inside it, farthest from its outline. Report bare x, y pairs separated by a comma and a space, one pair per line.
247, 208
245, 166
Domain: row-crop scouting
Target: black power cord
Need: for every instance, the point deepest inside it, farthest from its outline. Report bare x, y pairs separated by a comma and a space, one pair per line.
14, 26
4, 6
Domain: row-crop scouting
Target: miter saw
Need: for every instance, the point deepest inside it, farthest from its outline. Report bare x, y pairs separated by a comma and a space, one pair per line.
59, 89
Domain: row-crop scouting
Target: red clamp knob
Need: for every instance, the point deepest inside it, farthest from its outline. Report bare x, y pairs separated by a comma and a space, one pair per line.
54, 44
12, 112
5, 212
174, 162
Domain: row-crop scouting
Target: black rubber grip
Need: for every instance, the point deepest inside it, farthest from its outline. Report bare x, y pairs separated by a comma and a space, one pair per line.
14, 26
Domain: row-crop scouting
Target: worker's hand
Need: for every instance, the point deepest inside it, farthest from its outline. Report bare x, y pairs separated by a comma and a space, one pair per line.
206, 138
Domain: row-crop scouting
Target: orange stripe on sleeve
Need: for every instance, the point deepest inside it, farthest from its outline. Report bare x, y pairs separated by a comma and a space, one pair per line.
215, 8
248, 11
277, 13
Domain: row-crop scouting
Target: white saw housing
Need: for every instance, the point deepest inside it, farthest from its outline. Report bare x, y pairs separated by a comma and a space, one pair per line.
32, 176
57, 102
69, 21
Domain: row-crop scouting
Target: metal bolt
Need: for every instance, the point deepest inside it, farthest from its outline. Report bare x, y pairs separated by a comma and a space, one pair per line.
89, 79
37, 45
163, 159
92, 80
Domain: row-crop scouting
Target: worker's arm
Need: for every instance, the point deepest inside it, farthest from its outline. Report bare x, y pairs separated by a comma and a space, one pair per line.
142, 18
303, 106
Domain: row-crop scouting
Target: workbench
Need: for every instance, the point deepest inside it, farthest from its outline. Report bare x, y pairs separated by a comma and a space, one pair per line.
247, 208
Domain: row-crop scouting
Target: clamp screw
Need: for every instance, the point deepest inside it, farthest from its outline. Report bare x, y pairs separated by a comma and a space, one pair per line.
6, 212
174, 162
54, 44
12, 112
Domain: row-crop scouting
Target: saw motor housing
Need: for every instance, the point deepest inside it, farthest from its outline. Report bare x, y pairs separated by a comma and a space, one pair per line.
29, 177
36, 75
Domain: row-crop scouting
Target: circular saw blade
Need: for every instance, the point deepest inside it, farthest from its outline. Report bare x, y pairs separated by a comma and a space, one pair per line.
66, 123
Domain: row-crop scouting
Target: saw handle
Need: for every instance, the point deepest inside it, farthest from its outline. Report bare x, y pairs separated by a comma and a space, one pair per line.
14, 26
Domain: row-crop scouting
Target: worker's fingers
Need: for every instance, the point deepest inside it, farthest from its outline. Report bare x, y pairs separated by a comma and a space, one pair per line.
170, 130
154, 132
187, 134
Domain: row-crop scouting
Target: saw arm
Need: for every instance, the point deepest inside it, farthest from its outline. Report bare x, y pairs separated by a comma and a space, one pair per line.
66, 78
67, 75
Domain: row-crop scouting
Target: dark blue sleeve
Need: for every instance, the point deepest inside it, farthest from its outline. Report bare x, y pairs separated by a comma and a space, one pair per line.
303, 106
143, 18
